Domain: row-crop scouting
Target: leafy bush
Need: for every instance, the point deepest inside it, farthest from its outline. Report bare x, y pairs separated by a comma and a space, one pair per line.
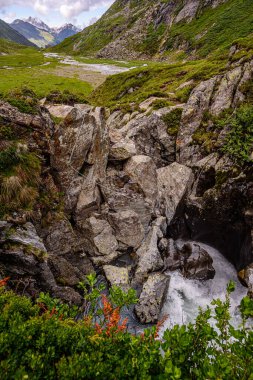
24, 99
161, 103
172, 120
239, 141
46, 340
65, 97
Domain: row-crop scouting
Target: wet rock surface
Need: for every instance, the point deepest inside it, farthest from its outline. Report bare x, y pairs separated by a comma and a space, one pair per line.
193, 261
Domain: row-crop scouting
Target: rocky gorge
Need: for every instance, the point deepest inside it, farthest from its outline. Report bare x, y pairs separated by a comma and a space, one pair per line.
118, 193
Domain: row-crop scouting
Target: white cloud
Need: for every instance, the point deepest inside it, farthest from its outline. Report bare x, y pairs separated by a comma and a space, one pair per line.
93, 20
40, 7
8, 16
67, 8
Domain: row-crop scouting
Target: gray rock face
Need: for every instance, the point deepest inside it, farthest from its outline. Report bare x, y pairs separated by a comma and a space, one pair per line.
223, 97
149, 258
79, 156
151, 299
173, 183
27, 236
24, 258
128, 228
197, 104
189, 11
103, 237
147, 135
214, 96
142, 170
117, 276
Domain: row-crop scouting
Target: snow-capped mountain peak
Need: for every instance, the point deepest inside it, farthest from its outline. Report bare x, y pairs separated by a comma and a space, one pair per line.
65, 27
38, 23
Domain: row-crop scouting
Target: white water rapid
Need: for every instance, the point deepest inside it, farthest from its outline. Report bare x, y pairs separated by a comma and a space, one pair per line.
186, 296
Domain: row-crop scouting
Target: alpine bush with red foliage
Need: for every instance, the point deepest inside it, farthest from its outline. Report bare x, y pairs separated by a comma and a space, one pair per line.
50, 340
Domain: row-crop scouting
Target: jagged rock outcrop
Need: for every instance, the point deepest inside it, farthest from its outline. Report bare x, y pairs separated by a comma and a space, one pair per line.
123, 187
213, 96
25, 258
152, 297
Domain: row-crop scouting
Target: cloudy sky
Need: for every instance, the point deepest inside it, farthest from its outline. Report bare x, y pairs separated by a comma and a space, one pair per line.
55, 12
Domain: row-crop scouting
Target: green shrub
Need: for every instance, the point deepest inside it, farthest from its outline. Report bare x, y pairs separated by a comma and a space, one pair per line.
24, 99
65, 97
161, 103
46, 341
239, 141
19, 178
172, 120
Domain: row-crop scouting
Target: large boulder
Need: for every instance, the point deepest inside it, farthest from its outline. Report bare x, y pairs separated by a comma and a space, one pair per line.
197, 263
142, 170
104, 240
24, 258
174, 182
148, 255
128, 229
191, 259
152, 297
147, 135
118, 276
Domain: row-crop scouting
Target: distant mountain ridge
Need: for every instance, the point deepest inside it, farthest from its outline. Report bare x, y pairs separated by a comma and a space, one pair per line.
40, 34
8, 33
146, 29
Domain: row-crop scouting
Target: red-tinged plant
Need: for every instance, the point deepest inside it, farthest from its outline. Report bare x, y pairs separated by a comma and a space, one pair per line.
4, 281
159, 326
111, 319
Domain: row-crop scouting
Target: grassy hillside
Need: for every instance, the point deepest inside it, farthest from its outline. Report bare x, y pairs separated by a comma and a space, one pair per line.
146, 30
215, 29
8, 47
8, 33
113, 23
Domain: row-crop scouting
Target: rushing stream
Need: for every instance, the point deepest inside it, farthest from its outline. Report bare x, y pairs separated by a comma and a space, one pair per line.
186, 296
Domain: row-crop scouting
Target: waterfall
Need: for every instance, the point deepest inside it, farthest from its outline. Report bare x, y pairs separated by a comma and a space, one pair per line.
186, 296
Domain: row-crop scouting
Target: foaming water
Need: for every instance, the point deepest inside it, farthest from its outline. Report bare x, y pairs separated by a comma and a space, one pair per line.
186, 296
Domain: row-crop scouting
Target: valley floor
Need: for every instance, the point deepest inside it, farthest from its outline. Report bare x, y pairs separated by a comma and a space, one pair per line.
44, 72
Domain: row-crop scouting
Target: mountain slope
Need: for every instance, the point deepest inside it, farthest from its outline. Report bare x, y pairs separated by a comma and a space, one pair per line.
41, 38
37, 32
161, 28
8, 33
